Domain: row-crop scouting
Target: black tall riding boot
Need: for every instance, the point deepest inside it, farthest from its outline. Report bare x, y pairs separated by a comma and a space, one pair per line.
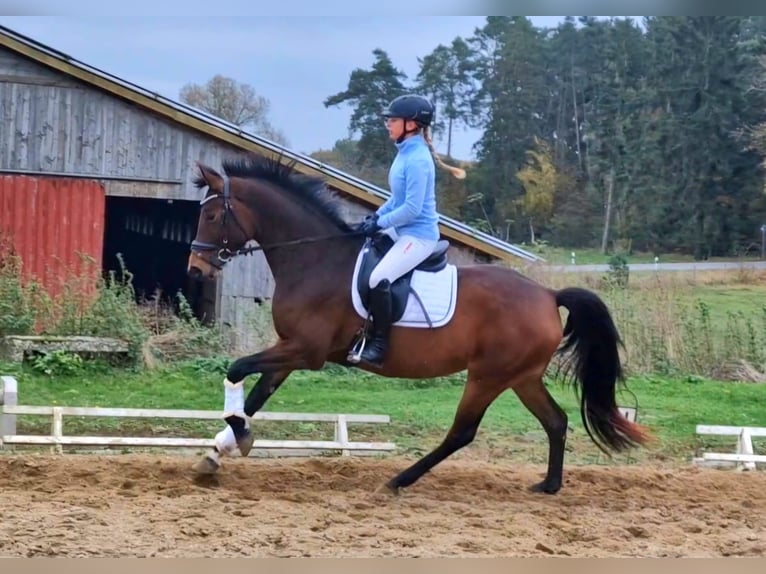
380, 308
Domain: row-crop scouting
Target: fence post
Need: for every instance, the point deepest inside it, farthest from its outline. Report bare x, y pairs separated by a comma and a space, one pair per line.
9, 395
341, 433
745, 446
57, 428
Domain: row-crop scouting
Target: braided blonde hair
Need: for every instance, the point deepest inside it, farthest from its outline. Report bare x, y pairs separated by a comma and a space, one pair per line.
455, 171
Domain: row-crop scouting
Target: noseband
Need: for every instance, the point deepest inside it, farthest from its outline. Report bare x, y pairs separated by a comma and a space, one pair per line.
224, 253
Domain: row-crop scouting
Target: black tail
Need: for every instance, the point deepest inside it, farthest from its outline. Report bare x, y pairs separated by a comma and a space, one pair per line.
591, 335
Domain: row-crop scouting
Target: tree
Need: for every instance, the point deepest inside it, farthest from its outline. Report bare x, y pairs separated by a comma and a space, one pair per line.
511, 71
566, 78
369, 93
613, 134
233, 102
701, 75
445, 77
342, 155
755, 137
540, 180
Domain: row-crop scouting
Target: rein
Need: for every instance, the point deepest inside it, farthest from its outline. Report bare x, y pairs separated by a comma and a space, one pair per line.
225, 254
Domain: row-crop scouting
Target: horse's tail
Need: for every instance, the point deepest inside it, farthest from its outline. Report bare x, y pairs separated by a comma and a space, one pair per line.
591, 335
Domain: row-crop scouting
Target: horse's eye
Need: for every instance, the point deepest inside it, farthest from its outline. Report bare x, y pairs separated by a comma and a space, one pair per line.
210, 216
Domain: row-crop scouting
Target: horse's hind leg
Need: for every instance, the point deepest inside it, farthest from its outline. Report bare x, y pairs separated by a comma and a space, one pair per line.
537, 399
477, 396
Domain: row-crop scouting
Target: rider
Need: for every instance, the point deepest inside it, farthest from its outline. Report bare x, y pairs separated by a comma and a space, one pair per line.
409, 216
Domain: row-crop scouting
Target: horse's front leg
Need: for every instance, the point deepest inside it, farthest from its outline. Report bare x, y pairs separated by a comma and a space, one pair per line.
238, 411
275, 364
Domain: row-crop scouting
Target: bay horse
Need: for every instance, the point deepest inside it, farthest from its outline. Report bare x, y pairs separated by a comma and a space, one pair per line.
504, 328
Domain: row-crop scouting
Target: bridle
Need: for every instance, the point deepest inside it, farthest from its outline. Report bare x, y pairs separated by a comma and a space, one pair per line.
224, 253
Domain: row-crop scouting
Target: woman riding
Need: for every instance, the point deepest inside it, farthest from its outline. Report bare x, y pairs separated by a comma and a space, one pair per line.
409, 216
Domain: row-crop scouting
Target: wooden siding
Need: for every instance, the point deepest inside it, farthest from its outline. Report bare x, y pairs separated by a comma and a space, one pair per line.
72, 128
248, 276
248, 325
22, 70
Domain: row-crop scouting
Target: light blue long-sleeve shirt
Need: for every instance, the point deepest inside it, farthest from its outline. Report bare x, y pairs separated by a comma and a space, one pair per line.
411, 209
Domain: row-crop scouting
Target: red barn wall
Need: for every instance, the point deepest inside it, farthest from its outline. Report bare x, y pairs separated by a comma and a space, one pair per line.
49, 221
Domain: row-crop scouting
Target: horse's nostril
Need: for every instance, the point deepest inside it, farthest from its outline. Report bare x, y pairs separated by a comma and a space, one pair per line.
195, 272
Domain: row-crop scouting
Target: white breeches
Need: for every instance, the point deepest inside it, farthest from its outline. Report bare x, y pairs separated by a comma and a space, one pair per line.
406, 253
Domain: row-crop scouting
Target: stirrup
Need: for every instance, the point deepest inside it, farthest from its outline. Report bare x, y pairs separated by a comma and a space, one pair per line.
355, 354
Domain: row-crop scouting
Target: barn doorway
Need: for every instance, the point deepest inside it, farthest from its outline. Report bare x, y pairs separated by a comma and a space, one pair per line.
152, 236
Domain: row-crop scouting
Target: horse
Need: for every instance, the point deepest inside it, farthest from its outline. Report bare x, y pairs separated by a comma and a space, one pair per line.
502, 328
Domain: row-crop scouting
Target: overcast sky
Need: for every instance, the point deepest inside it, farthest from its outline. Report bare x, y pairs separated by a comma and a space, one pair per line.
294, 62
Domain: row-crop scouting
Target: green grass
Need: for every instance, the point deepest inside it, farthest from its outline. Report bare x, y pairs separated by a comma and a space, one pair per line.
421, 411
721, 301
748, 300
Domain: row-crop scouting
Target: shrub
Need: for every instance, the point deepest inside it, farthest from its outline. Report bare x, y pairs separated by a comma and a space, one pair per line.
104, 307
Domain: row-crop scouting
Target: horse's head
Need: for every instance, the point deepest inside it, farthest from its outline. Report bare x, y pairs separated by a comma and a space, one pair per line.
266, 201
224, 226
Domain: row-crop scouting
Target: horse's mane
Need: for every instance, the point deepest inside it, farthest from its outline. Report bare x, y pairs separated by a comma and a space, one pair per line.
310, 191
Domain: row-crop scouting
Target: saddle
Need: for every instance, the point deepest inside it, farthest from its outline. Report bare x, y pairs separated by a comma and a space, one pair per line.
373, 252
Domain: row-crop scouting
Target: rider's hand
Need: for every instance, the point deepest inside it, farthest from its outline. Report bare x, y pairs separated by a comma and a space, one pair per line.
369, 226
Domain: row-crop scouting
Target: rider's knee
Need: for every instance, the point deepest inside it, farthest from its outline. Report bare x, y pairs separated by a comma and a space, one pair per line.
375, 279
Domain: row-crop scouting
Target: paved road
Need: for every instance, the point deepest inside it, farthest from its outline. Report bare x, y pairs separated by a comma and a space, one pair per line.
695, 266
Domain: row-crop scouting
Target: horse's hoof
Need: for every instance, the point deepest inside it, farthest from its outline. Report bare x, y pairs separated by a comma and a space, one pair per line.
545, 487
206, 466
389, 489
245, 444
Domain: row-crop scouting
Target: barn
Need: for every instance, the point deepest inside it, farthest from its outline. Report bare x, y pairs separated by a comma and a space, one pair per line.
90, 163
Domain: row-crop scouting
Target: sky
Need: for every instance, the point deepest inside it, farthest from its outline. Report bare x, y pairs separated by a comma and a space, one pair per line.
295, 62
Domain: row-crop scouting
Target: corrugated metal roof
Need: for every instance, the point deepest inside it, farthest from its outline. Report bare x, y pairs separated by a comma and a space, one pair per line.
264, 143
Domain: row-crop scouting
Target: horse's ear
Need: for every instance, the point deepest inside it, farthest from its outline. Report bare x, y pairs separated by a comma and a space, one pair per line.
211, 177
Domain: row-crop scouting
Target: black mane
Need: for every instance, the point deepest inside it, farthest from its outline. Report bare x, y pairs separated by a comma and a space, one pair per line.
309, 191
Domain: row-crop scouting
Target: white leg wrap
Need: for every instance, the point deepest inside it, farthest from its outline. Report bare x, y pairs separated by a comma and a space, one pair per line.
216, 456
225, 441
234, 399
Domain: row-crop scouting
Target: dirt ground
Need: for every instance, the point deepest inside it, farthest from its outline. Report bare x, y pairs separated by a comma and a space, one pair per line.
150, 505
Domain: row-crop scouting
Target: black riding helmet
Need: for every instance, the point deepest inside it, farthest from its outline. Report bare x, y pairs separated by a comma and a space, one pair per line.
411, 107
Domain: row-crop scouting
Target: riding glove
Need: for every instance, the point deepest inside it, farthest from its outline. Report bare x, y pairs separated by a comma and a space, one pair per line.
369, 226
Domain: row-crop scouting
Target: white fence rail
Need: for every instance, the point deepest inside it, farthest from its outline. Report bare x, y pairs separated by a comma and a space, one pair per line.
743, 457
629, 413
9, 410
